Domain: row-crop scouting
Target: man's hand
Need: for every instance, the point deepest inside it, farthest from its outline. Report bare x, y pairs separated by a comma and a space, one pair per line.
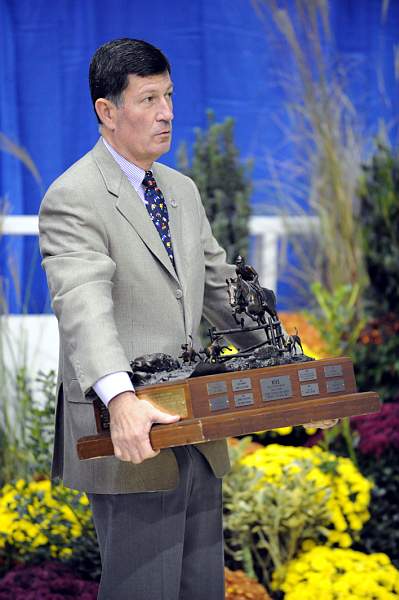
326, 424
131, 419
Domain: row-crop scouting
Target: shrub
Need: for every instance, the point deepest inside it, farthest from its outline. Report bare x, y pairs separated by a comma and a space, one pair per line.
39, 523
49, 581
379, 217
381, 532
378, 432
336, 574
347, 491
223, 182
376, 357
280, 499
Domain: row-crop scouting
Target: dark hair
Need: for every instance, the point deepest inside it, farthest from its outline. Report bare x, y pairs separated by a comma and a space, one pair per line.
114, 61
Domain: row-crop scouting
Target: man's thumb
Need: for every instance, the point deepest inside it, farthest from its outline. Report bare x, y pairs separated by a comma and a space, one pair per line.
163, 417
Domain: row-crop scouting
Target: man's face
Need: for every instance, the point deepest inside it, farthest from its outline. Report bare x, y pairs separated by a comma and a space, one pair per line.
143, 122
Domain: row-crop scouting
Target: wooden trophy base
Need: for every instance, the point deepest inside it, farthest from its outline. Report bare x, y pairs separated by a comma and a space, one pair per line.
214, 407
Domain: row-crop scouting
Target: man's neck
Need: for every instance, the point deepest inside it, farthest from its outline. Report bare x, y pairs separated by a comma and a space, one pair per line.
146, 167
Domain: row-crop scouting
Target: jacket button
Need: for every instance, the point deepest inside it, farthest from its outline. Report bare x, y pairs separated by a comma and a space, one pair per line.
179, 294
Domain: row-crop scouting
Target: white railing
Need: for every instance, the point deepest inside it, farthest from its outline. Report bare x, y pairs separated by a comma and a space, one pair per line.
40, 332
268, 231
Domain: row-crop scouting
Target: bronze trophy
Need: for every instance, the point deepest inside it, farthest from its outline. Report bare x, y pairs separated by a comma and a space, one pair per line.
270, 385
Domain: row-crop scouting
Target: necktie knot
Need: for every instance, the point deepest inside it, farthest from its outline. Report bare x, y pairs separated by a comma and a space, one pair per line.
149, 180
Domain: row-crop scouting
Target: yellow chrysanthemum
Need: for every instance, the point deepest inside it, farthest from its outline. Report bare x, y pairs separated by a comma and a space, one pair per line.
32, 515
338, 574
348, 491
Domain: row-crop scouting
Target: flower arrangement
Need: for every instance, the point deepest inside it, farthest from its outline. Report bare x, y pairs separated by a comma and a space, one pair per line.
337, 574
281, 500
346, 491
39, 522
48, 581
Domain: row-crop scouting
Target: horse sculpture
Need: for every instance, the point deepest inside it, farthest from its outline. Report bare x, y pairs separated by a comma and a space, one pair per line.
248, 297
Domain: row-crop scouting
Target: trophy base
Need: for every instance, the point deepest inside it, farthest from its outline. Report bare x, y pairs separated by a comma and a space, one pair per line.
216, 427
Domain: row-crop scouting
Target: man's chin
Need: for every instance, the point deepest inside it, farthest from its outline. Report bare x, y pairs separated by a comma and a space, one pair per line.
164, 146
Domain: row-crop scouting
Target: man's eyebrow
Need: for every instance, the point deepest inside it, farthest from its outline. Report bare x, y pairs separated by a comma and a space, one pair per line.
151, 89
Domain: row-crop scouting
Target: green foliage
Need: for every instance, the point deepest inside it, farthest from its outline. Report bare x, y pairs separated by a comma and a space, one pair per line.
223, 183
379, 197
337, 317
26, 432
376, 357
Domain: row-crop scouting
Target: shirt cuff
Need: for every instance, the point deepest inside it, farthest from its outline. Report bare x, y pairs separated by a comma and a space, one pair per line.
111, 385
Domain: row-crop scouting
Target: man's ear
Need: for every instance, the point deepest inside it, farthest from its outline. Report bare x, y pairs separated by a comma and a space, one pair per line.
106, 111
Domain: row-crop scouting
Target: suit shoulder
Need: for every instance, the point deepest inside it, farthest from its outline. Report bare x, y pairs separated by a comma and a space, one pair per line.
76, 175
172, 175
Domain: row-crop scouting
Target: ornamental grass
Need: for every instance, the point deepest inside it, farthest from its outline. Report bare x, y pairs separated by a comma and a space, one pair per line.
336, 574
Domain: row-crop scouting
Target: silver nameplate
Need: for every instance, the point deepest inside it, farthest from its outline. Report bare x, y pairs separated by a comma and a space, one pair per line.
336, 385
244, 399
216, 387
307, 374
219, 403
333, 371
276, 388
241, 384
309, 389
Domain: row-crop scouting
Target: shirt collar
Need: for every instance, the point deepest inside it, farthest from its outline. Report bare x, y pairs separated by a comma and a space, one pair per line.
134, 173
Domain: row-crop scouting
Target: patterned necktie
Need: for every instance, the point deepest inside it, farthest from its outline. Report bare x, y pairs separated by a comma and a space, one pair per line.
158, 211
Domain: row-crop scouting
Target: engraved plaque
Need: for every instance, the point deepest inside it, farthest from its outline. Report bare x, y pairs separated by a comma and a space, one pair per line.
216, 387
172, 400
336, 385
275, 388
333, 371
241, 384
219, 403
307, 374
309, 389
244, 399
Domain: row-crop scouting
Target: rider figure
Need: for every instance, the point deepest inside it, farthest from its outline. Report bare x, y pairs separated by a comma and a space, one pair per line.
246, 272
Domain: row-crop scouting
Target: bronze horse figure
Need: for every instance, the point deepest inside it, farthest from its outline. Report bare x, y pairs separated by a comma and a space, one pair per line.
250, 299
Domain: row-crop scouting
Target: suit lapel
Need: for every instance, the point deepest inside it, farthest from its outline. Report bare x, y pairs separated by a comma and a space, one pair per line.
130, 205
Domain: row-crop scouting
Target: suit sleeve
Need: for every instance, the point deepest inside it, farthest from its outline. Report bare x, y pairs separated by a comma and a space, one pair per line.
216, 305
73, 244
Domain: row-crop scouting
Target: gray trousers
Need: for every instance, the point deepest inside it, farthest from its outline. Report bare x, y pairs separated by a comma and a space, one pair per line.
163, 545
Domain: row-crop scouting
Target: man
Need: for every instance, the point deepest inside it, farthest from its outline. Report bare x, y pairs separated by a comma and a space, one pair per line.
127, 280
132, 265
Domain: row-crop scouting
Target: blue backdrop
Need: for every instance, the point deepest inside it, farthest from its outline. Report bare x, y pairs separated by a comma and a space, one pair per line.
221, 59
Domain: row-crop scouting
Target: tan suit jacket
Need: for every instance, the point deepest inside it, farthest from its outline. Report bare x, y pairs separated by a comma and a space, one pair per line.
117, 296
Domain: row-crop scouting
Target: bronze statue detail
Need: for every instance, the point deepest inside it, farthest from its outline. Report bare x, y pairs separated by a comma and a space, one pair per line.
189, 354
293, 342
214, 351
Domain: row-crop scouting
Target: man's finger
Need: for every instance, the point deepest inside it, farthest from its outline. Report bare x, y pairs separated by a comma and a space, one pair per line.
325, 424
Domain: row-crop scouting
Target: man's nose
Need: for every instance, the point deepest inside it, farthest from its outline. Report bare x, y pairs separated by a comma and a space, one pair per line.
165, 111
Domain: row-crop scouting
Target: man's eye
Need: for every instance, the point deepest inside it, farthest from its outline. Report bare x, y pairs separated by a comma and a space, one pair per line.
149, 99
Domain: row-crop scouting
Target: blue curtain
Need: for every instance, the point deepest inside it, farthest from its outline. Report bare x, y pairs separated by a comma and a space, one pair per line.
221, 59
